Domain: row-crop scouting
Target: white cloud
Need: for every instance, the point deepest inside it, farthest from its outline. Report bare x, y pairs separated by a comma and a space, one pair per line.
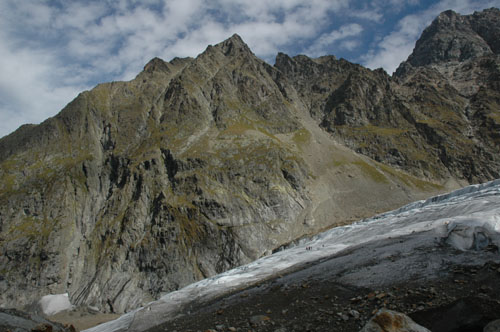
49, 54
78, 15
378, 10
25, 90
395, 48
368, 14
328, 39
349, 45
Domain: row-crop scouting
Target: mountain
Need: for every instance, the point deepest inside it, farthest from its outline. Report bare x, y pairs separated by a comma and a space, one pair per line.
199, 165
458, 57
436, 118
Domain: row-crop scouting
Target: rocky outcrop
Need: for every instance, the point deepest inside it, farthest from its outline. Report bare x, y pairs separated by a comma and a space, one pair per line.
199, 165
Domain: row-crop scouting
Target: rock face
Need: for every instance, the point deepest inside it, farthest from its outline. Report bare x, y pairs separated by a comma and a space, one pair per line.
453, 37
200, 165
452, 78
437, 118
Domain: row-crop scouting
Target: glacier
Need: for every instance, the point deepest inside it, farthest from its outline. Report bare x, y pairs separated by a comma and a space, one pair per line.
465, 220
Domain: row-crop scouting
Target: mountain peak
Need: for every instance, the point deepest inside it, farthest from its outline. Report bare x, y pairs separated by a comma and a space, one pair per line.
156, 64
454, 37
233, 45
235, 38
447, 15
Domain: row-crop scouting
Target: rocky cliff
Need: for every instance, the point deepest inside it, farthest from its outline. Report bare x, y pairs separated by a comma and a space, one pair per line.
202, 164
436, 118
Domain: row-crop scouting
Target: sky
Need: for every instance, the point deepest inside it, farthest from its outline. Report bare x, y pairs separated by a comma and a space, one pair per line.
51, 50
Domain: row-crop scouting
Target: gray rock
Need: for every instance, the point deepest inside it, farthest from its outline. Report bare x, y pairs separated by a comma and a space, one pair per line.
259, 320
355, 314
493, 326
388, 320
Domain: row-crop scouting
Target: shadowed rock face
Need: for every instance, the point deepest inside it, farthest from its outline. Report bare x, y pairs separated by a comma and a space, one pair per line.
200, 165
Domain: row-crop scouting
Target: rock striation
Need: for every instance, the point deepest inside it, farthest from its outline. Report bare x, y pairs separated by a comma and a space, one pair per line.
202, 164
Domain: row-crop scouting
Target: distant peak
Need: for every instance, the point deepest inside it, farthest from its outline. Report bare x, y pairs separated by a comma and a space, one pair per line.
448, 14
492, 10
282, 57
236, 38
455, 38
180, 61
156, 64
233, 45
449, 20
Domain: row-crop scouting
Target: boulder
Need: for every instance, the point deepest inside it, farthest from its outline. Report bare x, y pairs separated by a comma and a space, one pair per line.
392, 321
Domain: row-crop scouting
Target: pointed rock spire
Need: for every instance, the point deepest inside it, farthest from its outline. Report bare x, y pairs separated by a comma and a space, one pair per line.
233, 46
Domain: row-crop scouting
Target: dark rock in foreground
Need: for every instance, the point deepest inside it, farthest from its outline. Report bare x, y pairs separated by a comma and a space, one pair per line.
18, 321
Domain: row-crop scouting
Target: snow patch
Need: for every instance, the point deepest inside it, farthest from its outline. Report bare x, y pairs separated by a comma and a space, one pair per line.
52, 304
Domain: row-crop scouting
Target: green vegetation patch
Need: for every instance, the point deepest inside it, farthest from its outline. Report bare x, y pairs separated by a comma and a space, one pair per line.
430, 122
371, 171
495, 117
41, 171
377, 174
376, 130
439, 115
411, 181
338, 163
238, 128
34, 229
302, 137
